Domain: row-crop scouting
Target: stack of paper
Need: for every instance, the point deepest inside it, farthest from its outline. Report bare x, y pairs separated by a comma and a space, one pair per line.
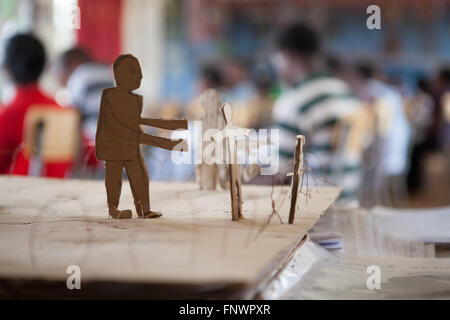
329, 240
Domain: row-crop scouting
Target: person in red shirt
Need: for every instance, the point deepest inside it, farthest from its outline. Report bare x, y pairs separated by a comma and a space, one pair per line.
24, 62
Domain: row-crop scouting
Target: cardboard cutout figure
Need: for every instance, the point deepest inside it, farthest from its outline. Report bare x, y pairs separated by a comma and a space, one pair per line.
119, 135
209, 175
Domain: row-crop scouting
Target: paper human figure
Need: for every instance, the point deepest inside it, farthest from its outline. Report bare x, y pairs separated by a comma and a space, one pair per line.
231, 132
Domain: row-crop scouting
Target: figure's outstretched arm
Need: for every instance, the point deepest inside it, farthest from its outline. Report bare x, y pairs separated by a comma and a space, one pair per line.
164, 143
165, 124
115, 125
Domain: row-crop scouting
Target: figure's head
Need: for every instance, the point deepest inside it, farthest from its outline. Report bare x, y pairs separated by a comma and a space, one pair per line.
24, 58
299, 47
68, 61
127, 72
227, 113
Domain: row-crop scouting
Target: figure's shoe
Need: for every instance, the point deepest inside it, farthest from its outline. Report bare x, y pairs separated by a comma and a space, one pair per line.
152, 215
120, 214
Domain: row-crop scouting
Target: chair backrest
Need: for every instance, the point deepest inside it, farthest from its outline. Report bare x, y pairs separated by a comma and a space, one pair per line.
374, 153
52, 134
353, 134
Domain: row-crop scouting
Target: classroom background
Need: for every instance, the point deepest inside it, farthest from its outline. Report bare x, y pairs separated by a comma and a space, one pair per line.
186, 47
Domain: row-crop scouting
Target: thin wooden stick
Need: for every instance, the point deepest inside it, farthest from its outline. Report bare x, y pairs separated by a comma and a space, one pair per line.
298, 166
234, 167
235, 183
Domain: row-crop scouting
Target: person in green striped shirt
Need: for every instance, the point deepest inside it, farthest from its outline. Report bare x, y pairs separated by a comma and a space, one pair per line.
313, 103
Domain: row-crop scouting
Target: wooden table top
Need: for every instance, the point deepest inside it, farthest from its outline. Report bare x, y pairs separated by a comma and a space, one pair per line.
48, 224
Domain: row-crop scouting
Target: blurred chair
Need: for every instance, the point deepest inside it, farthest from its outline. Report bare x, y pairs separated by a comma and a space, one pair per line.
51, 138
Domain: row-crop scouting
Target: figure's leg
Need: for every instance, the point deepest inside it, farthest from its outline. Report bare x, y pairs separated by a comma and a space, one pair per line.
146, 184
239, 199
113, 182
137, 201
139, 183
239, 190
233, 192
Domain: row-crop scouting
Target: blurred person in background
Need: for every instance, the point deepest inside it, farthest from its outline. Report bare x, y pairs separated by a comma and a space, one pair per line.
84, 80
312, 104
210, 78
335, 66
439, 134
239, 91
419, 110
267, 92
238, 86
391, 160
161, 168
24, 62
